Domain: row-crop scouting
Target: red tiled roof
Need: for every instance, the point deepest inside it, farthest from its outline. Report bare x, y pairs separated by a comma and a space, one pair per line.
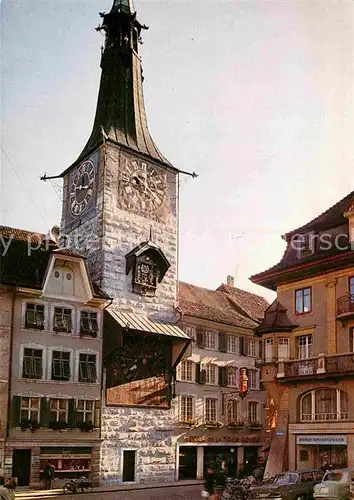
68, 252
21, 234
248, 303
330, 218
211, 305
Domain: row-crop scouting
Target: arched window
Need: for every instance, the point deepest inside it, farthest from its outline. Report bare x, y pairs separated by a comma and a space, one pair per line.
323, 405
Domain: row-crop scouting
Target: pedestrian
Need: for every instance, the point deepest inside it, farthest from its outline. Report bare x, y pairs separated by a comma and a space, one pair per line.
48, 475
209, 483
5, 493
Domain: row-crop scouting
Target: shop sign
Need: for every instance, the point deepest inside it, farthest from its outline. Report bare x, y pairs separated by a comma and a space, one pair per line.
222, 439
323, 439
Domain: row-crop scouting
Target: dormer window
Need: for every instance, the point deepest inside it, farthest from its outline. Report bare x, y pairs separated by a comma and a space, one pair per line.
88, 323
62, 320
304, 244
35, 316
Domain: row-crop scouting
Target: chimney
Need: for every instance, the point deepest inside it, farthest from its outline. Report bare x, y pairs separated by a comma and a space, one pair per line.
230, 281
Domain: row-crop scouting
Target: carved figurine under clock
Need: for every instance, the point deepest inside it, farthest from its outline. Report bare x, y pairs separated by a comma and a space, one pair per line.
142, 187
81, 188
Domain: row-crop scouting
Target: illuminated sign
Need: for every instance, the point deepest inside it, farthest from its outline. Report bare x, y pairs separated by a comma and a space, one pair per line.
321, 439
243, 382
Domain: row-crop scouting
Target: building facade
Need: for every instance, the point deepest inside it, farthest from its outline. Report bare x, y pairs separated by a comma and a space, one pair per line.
120, 209
53, 328
217, 420
307, 334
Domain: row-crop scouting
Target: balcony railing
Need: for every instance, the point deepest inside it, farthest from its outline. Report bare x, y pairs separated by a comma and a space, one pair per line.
345, 305
337, 364
324, 417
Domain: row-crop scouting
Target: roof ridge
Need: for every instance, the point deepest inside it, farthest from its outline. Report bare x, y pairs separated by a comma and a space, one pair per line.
10, 228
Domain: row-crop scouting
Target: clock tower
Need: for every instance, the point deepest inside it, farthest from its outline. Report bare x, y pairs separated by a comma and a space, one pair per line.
120, 210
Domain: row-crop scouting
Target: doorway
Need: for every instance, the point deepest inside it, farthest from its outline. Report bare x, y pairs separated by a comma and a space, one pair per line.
21, 466
129, 465
187, 462
250, 459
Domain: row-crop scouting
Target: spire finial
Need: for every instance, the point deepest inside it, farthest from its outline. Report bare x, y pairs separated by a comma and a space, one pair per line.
123, 6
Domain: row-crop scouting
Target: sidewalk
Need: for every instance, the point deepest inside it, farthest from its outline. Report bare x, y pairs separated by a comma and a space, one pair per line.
39, 494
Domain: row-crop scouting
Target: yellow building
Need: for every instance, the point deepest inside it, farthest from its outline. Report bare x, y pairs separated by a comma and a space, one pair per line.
308, 344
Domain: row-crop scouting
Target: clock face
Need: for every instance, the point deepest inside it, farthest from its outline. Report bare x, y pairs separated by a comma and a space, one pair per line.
142, 187
81, 188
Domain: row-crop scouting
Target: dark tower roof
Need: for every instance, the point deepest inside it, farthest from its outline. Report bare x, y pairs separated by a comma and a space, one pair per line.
120, 113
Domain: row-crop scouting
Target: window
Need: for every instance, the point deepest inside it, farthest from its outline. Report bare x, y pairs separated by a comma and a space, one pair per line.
252, 347
32, 363
61, 365
324, 405
351, 288
62, 320
211, 374
187, 371
189, 330
252, 412
84, 411
232, 376
233, 344
210, 409
303, 301
232, 413
87, 368
59, 410
253, 379
186, 408
304, 346
89, 323
268, 350
30, 409
34, 316
283, 349
211, 340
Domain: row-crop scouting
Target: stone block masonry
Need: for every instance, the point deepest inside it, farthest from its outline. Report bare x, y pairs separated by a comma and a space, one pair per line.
149, 433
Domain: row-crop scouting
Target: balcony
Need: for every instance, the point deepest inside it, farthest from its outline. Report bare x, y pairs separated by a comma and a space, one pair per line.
324, 366
345, 307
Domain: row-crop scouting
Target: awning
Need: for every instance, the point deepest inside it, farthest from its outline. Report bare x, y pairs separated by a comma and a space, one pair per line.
142, 323
216, 361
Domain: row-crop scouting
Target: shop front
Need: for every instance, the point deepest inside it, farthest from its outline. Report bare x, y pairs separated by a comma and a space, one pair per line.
317, 451
199, 450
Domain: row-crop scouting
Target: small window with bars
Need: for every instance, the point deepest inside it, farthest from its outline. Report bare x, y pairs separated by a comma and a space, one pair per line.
32, 363
62, 321
186, 408
87, 368
84, 411
34, 316
89, 323
30, 409
59, 410
61, 365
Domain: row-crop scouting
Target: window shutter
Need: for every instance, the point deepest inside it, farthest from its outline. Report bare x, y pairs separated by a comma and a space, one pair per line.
16, 409
223, 404
97, 419
72, 413
197, 373
178, 371
200, 337
44, 413
260, 349
222, 342
351, 340
257, 379
202, 376
242, 346
222, 376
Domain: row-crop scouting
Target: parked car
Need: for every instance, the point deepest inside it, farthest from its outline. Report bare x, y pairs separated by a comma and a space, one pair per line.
337, 484
292, 485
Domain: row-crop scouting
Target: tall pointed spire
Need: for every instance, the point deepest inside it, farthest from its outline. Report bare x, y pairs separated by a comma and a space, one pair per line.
120, 114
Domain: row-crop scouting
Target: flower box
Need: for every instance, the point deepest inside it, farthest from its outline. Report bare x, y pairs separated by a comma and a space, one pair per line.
85, 426
256, 426
212, 425
236, 425
57, 425
32, 425
188, 423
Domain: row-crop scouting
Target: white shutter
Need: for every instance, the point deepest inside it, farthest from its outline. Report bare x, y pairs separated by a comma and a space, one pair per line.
258, 377
178, 372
